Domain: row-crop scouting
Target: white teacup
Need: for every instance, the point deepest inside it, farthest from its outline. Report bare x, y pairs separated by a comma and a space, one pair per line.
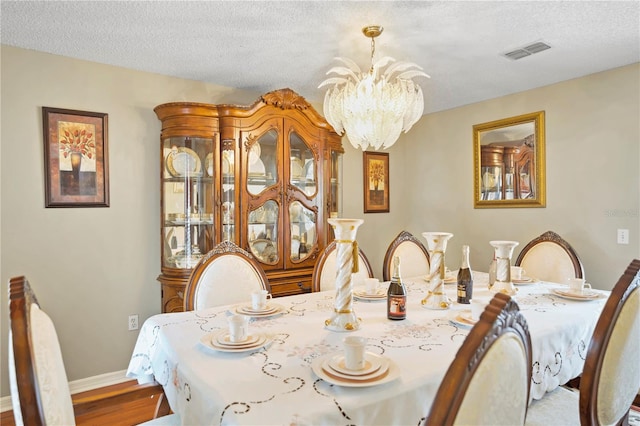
578, 286
517, 272
238, 328
478, 304
259, 299
371, 285
354, 352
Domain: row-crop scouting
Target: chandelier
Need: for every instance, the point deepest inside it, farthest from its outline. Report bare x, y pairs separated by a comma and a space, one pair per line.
375, 106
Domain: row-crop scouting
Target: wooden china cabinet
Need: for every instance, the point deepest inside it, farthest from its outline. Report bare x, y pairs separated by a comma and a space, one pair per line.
265, 176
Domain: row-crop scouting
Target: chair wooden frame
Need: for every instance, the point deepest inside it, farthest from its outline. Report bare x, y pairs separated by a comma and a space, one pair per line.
21, 297
316, 278
552, 237
590, 380
225, 248
401, 238
501, 316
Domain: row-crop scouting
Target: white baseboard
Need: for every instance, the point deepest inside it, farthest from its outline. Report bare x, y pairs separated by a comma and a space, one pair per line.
81, 385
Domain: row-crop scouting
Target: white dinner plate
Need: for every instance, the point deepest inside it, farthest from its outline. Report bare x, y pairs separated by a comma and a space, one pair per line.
392, 373
274, 309
447, 280
584, 297
209, 342
462, 319
377, 374
380, 294
372, 363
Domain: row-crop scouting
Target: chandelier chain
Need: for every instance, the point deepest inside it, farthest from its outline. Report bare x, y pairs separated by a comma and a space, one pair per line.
373, 52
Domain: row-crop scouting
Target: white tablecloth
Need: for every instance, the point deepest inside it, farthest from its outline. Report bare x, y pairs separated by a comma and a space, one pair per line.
276, 386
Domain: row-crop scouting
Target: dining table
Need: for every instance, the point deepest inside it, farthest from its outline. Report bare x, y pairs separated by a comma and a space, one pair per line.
279, 381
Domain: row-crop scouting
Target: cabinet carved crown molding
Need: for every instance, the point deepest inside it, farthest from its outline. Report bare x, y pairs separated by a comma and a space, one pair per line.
285, 99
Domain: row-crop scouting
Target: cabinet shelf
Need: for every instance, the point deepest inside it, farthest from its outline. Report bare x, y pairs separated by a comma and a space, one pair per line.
203, 179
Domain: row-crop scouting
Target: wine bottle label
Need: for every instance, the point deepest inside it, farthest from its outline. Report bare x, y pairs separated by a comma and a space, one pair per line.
397, 306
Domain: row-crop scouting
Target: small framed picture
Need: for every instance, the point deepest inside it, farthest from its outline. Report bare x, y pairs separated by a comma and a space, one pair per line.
376, 182
76, 158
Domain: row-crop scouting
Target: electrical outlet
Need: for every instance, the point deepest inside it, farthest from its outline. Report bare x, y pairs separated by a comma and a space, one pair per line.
133, 322
623, 236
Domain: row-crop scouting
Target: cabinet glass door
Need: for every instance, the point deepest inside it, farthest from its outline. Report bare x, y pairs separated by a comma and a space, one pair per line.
263, 156
187, 197
335, 184
263, 232
302, 165
228, 196
302, 222
262, 162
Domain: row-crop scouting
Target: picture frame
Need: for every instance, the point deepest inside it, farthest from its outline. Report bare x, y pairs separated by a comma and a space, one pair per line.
509, 162
376, 182
76, 158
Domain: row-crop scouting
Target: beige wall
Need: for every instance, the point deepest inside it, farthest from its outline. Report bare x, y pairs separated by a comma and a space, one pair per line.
592, 165
93, 267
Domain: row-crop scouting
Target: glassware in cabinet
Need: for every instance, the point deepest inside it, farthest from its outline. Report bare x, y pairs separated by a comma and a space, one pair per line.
187, 198
335, 184
228, 191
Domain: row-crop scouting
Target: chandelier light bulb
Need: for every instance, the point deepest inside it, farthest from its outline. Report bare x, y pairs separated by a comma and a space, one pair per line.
375, 106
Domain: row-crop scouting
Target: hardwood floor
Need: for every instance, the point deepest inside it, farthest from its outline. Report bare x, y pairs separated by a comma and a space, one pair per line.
128, 414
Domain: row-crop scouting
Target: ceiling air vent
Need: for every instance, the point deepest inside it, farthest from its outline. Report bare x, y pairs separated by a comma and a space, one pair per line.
527, 50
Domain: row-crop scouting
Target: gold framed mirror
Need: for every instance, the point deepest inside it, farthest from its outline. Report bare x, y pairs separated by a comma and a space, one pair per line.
509, 162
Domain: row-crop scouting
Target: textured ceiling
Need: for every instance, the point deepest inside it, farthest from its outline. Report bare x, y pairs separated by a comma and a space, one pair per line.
267, 45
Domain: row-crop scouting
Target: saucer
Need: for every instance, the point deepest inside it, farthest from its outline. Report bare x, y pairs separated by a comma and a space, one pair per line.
375, 375
584, 296
271, 310
372, 364
380, 294
224, 339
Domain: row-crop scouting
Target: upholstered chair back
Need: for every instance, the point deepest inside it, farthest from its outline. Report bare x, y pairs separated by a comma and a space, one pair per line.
488, 381
414, 257
224, 276
550, 258
54, 404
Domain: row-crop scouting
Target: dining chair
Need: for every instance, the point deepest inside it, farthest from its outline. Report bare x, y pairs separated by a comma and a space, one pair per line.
549, 257
324, 271
611, 373
488, 381
40, 392
414, 257
225, 275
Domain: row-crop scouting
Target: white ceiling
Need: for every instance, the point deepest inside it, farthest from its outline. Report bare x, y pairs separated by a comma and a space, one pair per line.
267, 45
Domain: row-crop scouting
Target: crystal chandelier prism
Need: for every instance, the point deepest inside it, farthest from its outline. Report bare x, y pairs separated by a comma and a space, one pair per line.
373, 107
